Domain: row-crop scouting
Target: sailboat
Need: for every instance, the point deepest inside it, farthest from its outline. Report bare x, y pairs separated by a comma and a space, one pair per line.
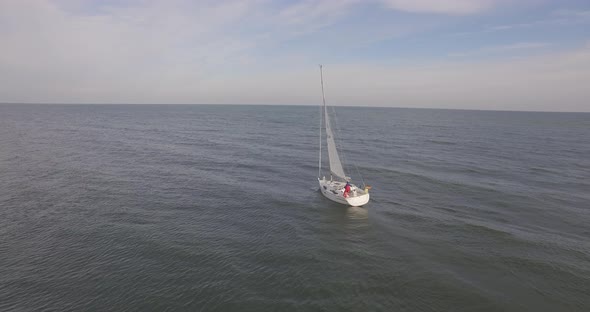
335, 188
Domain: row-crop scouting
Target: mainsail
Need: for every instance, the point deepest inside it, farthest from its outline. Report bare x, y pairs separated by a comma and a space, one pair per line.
335, 164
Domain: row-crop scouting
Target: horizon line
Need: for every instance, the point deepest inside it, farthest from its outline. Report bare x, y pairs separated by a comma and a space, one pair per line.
258, 104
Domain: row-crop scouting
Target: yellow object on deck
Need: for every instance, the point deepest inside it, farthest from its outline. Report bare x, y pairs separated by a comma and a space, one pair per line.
367, 188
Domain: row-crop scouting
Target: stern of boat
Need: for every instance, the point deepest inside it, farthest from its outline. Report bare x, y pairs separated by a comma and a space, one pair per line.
359, 200
334, 191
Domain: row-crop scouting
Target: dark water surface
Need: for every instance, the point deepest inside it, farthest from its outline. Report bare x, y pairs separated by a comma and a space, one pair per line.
216, 208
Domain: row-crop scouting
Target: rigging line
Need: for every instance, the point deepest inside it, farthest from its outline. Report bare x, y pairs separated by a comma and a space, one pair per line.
360, 175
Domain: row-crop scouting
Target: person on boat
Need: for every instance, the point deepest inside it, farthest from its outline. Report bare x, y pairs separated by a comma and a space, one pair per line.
346, 189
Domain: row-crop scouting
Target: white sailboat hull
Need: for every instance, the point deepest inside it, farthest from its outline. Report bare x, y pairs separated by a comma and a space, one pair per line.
334, 191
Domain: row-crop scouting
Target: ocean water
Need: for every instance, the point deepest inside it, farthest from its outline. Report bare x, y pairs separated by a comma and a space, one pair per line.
216, 208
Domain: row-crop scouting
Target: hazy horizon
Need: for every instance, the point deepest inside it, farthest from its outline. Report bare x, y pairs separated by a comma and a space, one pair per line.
307, 105
531, 55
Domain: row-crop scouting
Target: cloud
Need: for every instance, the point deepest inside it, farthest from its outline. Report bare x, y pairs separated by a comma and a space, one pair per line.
440, 6
584, 14
119, 52
232, 51
552, 82
312, 11
496, 49
557, 18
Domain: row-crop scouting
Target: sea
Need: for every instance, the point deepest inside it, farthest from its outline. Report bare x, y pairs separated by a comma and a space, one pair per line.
217, 208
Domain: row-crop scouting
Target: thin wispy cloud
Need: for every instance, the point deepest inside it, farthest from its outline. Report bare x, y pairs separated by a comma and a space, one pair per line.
563, 17
494, 84
584, 14
441, 6
261, 51
505, 48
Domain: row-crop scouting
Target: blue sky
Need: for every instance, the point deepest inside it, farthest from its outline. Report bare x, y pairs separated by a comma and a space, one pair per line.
479, 54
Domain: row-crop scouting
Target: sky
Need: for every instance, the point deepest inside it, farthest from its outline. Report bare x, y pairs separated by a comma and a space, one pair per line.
531, 55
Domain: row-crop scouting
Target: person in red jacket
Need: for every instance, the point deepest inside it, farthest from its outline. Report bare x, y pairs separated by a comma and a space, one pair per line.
346, 189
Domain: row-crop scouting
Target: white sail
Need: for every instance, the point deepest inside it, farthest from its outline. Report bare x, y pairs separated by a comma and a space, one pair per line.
335, 164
